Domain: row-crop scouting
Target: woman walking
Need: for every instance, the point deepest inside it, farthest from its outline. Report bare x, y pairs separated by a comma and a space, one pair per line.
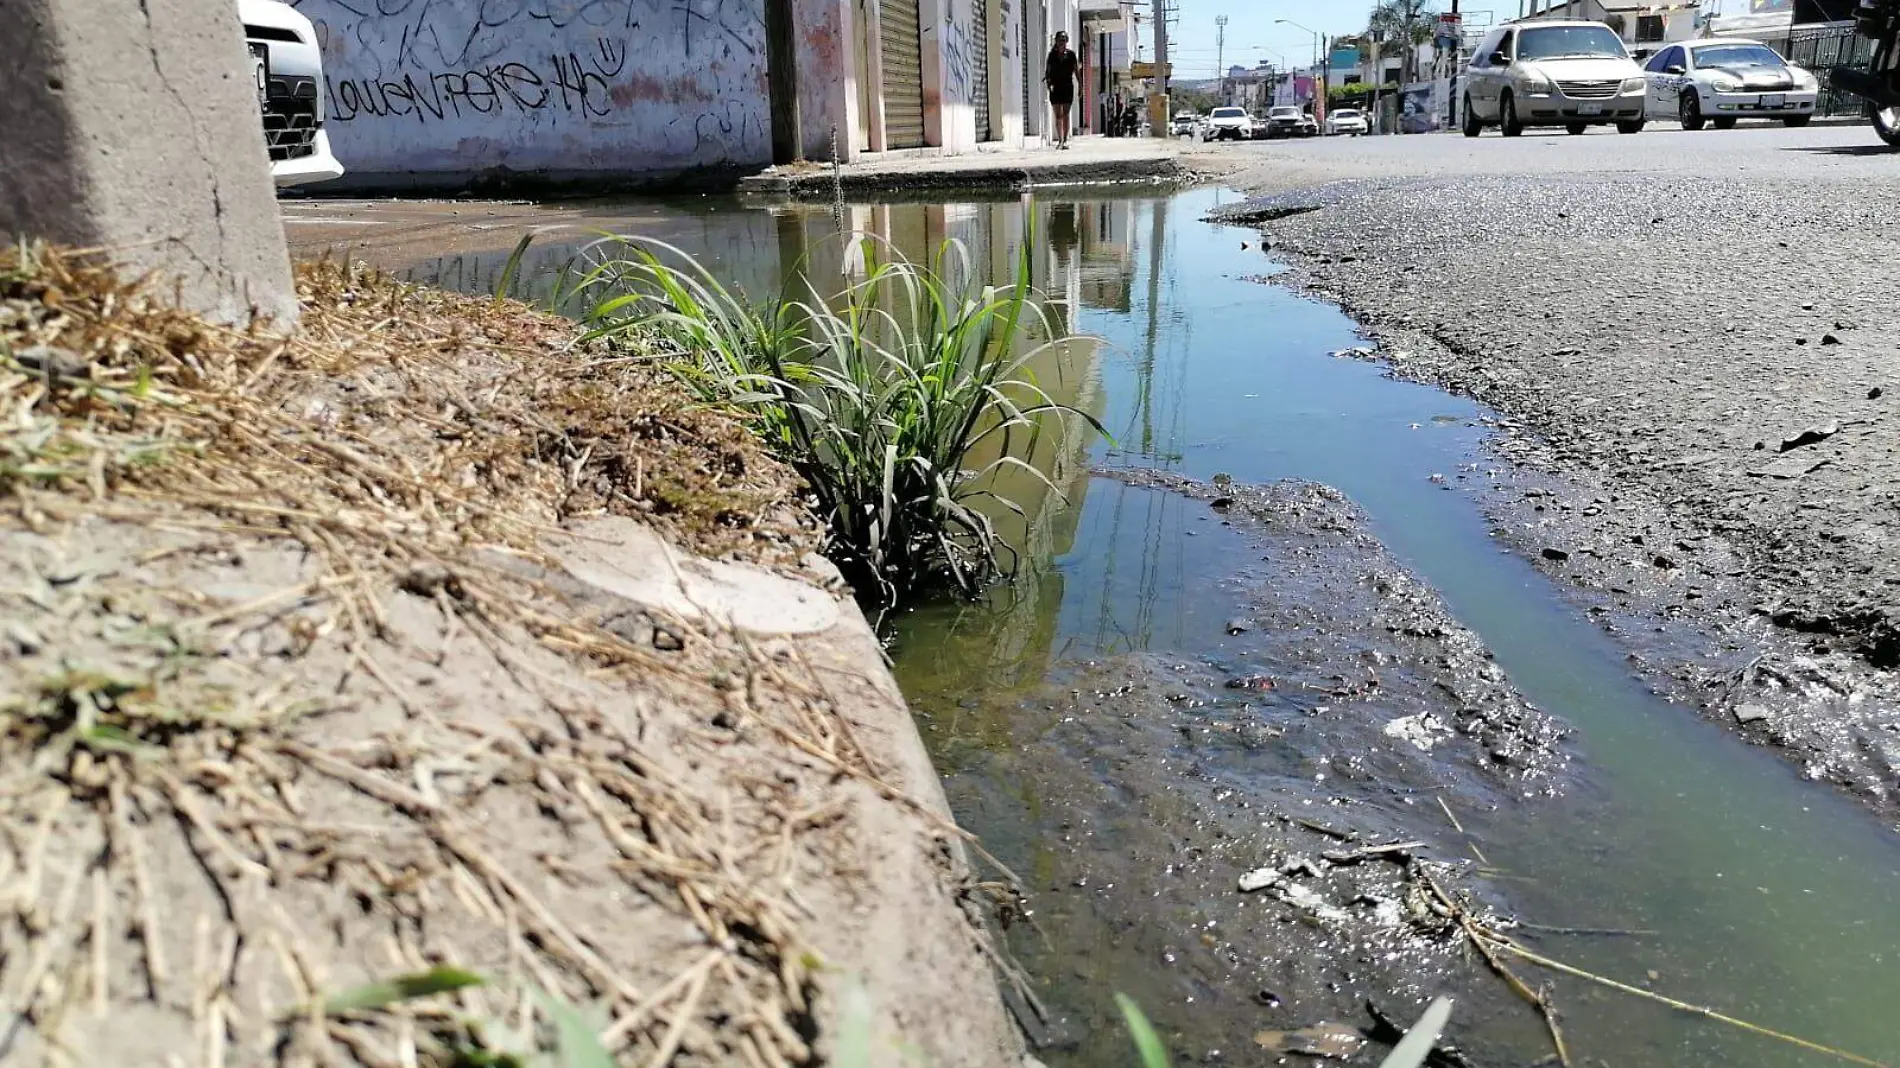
1059, 74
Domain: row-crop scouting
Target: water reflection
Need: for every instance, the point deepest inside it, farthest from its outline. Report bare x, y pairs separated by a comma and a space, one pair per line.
1774, 898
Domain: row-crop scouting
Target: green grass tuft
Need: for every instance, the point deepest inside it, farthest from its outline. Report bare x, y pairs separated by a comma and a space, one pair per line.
880, 396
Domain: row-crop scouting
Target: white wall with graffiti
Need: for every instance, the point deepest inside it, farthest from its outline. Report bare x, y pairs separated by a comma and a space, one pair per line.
549, 88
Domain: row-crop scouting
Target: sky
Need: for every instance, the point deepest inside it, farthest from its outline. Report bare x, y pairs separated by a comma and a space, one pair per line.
1252, 34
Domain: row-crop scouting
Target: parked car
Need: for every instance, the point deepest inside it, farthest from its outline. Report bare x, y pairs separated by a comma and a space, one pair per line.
1564, 73
1721, 81
1290, 121
289, 74
1183, 125
1228, 123
1349, 121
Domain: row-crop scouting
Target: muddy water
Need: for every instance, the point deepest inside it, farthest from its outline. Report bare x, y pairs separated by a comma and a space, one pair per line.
1771, 899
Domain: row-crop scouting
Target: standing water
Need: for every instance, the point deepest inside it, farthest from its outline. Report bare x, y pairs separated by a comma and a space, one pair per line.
1771, 899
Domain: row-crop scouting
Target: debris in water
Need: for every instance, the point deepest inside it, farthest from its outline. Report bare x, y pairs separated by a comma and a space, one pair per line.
1332, 1040
1258, 879
1422, 730
1251, 682
1238, 626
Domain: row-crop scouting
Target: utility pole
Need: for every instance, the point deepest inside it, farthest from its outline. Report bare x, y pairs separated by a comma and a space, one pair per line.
1457, 62
1158, 103
1220, 57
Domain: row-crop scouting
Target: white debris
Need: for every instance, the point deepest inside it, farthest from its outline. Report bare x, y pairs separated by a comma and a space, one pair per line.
1258, 879
1422, 730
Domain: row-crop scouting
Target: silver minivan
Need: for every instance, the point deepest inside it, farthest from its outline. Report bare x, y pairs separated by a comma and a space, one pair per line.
1549, 72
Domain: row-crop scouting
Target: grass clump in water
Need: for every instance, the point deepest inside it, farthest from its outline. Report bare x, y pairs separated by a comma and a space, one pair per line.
881, 397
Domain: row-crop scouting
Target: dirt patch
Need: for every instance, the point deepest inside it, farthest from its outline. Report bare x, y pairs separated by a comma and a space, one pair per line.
297, 699
1205, 834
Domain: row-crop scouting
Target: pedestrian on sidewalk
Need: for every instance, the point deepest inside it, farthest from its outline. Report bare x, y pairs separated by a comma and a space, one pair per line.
1059, 74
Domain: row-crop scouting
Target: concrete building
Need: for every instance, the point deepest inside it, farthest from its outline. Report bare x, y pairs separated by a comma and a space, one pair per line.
1641, 25
596, 93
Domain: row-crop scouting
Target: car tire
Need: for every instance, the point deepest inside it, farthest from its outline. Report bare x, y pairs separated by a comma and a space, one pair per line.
1508, 121
1725, 124
1689, 111
1472, 126
1797, 121
1633, 126
1576, 129
1886, 123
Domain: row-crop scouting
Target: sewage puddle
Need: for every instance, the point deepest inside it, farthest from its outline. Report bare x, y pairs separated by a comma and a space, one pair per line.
1085, 725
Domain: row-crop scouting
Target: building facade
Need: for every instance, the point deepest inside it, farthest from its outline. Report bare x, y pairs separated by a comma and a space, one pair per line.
454, 94
1641, 25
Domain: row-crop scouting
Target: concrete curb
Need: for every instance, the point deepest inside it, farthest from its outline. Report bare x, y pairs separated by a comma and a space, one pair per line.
820, 184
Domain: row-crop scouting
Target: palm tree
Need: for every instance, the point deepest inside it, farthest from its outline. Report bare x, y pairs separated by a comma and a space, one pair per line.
1406, 24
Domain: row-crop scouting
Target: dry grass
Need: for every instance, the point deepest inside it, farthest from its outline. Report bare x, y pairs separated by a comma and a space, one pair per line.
292, 701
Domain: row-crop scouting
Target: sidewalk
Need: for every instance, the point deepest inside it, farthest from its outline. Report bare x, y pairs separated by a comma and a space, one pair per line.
1088, 159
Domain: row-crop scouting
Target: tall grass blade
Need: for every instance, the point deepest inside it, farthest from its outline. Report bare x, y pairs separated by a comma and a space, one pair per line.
387, 992
512, 269
1147, 1042
1416, 1046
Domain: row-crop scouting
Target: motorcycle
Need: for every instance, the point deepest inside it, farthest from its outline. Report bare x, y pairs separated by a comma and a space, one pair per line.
1879, 84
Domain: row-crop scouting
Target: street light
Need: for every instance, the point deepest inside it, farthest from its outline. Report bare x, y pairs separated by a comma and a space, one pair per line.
1308, 29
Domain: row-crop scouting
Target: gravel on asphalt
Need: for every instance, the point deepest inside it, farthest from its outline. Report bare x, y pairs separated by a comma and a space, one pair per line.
1693, 319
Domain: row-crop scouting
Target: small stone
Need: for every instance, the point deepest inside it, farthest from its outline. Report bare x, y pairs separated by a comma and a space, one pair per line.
1830, 339
1238, 626
1874, 393
427, 580
1811, 436
53, 362
1219, 503
1747, 714
1664, 562
666, 639
1258, 879
1801, 341
1555, 554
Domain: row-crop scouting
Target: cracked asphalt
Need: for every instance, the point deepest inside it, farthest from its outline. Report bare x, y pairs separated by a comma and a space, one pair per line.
1703, 321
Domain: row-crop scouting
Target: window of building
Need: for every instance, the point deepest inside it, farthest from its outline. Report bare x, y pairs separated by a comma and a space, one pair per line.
1649, 29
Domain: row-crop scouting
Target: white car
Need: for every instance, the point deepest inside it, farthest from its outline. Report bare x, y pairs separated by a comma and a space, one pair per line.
1224, 123
1347, 121
1720, 81
1551, 72
289, 74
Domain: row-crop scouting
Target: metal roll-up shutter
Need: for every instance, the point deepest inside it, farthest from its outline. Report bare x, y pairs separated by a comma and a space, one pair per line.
1029, 69
980, 68
901, 46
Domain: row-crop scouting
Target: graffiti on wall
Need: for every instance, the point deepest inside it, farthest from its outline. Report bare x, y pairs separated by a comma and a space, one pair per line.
555, 85
959, 53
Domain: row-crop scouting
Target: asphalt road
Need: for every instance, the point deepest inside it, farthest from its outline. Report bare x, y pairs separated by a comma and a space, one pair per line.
1704, 323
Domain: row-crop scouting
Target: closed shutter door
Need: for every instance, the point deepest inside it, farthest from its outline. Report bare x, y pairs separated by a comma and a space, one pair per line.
1029, 71
980, 67
902, 50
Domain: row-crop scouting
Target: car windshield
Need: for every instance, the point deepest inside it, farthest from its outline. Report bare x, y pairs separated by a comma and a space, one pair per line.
1285, 113
1229, 113
1552, 42
1737, 56
1345, 113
